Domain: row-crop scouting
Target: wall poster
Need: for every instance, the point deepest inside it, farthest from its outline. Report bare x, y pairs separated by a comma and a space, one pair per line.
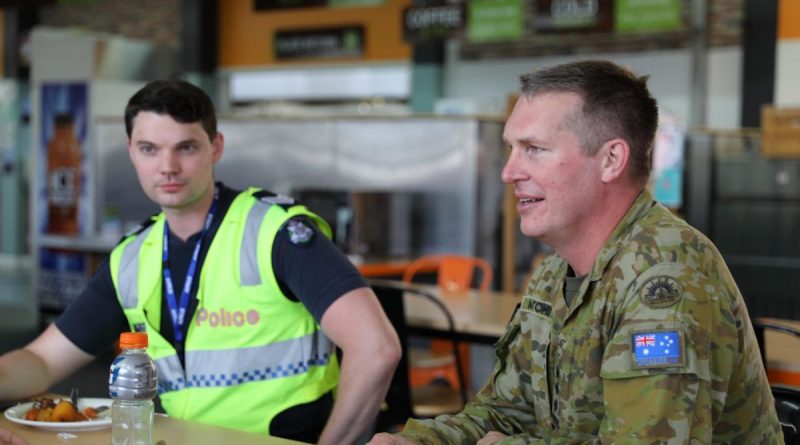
668, 154
63, 202
62, 197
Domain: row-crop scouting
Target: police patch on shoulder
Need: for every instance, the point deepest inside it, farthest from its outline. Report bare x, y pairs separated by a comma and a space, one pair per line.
299, 232
657, 349
660, 292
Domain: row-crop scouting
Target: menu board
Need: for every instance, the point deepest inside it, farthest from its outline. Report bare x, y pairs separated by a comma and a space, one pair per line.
346, 41
647, 15
268, 5
574, 15
495, 20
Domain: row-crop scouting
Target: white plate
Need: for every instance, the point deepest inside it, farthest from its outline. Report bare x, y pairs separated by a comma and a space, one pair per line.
16, 414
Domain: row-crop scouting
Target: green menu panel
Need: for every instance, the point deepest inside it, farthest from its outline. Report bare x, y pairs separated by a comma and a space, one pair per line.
647, 15
494, 20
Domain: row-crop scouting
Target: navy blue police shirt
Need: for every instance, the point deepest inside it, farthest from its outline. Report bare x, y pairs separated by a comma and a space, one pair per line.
306, 264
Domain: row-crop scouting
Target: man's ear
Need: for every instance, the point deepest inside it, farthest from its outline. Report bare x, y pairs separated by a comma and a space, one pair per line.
615, 155
219, 146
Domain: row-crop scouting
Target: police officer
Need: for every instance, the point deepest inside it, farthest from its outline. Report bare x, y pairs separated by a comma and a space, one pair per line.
633, 331
239, 291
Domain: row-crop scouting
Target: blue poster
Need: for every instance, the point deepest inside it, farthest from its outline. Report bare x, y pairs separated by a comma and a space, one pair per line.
668, 153
63, 203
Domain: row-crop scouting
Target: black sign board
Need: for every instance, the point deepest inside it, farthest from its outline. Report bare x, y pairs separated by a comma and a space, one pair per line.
347, 41
434, 22
574, 15
268, 5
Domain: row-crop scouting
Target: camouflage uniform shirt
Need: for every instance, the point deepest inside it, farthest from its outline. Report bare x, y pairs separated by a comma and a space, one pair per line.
656, 348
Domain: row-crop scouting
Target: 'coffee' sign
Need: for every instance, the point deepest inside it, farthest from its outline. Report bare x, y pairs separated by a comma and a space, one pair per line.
434, 22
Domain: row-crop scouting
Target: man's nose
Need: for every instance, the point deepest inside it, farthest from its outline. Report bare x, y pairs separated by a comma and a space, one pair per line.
168, 162
510, 172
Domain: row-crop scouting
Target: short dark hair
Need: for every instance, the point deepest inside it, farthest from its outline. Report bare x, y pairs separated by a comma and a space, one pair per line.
177, 98
616, 104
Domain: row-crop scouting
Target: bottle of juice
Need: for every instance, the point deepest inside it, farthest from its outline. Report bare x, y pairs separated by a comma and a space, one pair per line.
63, 177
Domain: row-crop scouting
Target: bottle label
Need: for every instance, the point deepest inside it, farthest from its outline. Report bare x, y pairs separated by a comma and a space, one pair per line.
62, 187
132, 377
113, 375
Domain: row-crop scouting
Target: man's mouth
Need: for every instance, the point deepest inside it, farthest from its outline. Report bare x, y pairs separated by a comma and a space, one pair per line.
530, 200
171, 186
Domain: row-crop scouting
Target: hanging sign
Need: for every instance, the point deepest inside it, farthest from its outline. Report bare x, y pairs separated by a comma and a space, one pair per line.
574, 15
346, 42
647, 15
270, 5
495, 20
434, 22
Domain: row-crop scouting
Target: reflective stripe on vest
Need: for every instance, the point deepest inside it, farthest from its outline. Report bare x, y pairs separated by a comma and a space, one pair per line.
128, 271
248, 262
267, 362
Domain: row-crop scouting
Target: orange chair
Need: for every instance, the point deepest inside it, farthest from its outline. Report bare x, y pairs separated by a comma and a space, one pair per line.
454, 273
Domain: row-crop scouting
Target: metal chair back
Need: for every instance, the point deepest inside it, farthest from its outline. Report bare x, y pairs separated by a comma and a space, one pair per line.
787, 399
390, 295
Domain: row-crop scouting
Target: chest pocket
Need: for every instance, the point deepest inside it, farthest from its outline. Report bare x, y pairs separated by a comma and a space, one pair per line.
529, 352
577, 387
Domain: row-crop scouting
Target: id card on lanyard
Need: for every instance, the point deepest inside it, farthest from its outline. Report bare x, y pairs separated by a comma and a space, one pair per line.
177, 309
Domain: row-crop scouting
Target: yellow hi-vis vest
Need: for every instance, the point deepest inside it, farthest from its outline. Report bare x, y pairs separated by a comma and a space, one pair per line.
250, 352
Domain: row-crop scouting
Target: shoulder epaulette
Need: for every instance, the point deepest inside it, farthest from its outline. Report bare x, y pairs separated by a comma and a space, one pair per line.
141, 227
268, 197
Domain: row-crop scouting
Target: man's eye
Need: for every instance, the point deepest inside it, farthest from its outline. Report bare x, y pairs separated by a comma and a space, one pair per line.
187, 147
531, 149
146, 148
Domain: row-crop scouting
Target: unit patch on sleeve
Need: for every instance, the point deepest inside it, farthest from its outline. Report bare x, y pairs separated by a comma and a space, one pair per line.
661, 292
299, 232
657, 349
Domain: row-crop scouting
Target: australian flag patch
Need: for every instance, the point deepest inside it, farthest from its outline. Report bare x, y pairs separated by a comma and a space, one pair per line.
655, 349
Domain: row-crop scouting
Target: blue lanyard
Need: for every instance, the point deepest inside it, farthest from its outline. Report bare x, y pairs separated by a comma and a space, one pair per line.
178, 313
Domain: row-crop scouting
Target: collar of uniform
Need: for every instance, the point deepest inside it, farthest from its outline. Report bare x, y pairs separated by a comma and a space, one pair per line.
561, 311
643, 203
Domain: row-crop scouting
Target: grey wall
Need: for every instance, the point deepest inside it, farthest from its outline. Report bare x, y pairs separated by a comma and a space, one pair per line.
489, 83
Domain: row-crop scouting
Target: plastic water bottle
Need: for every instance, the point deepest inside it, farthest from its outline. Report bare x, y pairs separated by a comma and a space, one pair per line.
132, 385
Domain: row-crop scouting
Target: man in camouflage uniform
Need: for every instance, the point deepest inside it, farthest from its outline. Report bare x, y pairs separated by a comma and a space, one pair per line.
634, 331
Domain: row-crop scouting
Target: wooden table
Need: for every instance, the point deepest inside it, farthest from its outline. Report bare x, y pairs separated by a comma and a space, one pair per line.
783, 360
170, 431
480, 317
